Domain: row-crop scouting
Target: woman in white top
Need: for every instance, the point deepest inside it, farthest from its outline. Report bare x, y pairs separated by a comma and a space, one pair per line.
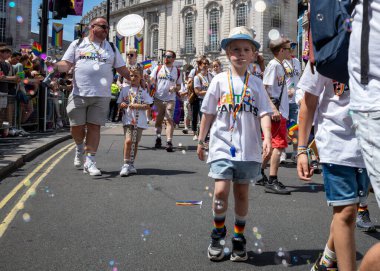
216, 67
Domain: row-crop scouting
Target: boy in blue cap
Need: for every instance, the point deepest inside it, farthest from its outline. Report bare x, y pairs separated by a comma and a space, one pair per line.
234, 104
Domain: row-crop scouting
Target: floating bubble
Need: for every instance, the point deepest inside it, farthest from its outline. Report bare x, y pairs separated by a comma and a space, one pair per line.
26, 81
51, 195
32, 192
180, 144
43, 56
222, 242
206, 153
26, 217
295, 237
206, 188
12, 4
50, 69
294, 140
150, 187
218, 204
258, 247
210, 195
103, 81
258, 236
96, 67
360, 170
295, 260
111, 263
27, 182
56, 93
255, 229
114, 268
144, 239
361, 193
320, 17
260, 6
347, 25
146, 232
183, 152
350, 112
19, 19
282, 257
31, 92
226, 250
274, 34
60, 101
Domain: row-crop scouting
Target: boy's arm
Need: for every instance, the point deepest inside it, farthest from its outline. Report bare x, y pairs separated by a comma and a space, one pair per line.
276, 116
266, 128
306, 116
207, 120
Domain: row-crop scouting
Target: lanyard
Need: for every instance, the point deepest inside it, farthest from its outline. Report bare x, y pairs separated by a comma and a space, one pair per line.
204, 81
96, 51
232, 95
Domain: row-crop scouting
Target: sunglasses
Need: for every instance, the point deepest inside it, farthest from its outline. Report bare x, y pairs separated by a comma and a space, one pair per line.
293, 46
287, 48
168, 56
131, 55
103, 26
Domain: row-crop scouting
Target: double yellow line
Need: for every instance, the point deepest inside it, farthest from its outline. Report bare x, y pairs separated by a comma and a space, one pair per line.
27, 182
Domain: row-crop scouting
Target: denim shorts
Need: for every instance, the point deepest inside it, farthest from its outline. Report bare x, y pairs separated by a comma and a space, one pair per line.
344, 185
367, 131
242, 172
293, 113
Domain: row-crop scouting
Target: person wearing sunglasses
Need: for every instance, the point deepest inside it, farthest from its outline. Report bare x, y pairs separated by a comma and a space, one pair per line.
93, 59
168, 80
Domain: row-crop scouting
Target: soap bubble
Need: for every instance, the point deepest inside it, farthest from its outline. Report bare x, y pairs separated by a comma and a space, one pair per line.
274, 34
320, 17
103, 81
260, 6
26, 217
20, 19
12, 4
96, 67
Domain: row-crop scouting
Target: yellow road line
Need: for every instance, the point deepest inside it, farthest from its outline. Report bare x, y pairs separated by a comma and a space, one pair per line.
9, 218
26, 180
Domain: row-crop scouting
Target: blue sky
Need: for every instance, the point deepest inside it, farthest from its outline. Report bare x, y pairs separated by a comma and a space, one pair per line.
68, 23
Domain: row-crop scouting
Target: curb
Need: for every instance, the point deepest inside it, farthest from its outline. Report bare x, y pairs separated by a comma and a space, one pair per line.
12, 166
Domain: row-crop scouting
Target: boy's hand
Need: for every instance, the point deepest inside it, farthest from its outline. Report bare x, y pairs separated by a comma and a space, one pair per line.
267, 148
304, 171
276, 115
200, 152
123, 105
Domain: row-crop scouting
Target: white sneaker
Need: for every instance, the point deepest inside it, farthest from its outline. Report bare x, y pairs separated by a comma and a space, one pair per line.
78, 159
59, 123
283, 157
125, 170
195, 138
90, 167
132, 169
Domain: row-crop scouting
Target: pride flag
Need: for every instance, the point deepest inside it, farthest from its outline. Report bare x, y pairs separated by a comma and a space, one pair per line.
146, 64
177, 111
120, 43
292, 127
139, 43
36, 48
57, 35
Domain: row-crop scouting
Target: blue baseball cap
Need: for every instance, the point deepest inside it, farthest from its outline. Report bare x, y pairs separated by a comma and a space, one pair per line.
239, 33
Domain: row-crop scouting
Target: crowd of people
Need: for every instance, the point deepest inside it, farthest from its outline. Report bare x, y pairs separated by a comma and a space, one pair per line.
21, 74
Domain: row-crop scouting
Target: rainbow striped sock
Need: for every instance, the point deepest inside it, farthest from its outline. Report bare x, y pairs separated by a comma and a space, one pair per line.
219, 220
362, 208
239, 227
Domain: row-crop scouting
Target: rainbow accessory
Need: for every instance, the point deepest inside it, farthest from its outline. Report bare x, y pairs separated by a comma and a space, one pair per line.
292, 127
36, 48
57, 35
219, 223
239, 228
139, 43
120, 43
232, 94
188, 203
146, 64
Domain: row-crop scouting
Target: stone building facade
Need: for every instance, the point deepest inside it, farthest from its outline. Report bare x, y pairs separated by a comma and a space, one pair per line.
196, 27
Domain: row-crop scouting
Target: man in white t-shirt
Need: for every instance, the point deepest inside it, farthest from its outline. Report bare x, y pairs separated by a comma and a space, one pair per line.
365, 100
93, 59
274, 82
168, 82
344, 174
293, 73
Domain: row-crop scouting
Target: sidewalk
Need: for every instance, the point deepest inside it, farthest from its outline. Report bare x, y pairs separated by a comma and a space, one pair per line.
15, 151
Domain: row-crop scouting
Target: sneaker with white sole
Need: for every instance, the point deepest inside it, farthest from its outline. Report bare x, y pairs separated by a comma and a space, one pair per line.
239, 252
364, 223
195, 138
283, 157
215, 251
132, 169
125, 170
78, 159
90, 168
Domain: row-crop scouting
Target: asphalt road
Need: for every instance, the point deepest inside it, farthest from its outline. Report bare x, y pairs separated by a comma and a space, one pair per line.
72, 221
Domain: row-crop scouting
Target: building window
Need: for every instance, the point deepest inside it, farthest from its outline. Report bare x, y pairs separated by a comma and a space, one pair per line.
155, 42
189, 29
241, 15
117, 4
214, 30
123, 3
3, 4
189, 2
153, 18
2, 29
131, 2
276, 16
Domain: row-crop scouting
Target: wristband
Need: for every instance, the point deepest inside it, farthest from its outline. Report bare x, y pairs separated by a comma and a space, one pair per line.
201, 142
302, 147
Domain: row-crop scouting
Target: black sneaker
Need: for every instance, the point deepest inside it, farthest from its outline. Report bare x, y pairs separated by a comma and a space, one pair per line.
263, 181
318, 267
239, 253
158, 143
276, 187
185, 131
364, 223
215, 251
169, 147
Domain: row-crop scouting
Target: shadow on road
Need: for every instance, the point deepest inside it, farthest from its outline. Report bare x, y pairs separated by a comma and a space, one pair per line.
165, 172
309, 188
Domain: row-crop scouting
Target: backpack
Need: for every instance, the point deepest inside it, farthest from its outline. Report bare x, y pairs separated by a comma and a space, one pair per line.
329, 36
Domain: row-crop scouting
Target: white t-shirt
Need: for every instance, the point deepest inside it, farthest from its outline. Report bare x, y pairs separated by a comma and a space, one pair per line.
335, 137
182, 91
129, 94
293, 74
93, 67
255, 70
274, 78
192, 73
202, 82
246, 137
166, 78
365, 98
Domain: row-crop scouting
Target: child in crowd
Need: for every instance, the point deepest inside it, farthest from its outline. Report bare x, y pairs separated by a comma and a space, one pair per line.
134, 100
233, 106
344, 173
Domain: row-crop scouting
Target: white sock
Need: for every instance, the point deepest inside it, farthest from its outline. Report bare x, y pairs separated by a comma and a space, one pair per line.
329, 257
80, 148
90, 158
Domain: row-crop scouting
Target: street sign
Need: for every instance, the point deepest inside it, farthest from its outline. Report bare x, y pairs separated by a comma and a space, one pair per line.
130, 25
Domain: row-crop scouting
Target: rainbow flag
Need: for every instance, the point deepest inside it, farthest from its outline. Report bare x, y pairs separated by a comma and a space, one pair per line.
146, 64
293, 127
120, 43
36, 48
177, 111
57, 35
139, 43
188, 202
